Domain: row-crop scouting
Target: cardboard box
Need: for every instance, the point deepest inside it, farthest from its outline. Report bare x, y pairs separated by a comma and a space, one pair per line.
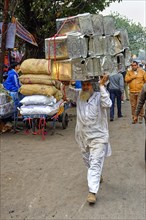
114, 45
79, 23
122, 36
108, 64
75, 69
98, 45
93, 66
104, 45
97, 22
73, 45
66, 70
109, 25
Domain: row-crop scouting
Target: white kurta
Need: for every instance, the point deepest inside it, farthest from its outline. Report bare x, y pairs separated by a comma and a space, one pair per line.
92, 134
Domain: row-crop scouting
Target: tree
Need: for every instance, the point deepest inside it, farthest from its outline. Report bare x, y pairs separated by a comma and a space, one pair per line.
39, 16
3, 36
136, 33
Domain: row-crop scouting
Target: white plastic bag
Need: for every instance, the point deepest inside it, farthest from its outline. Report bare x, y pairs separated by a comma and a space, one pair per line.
40, 109
38, 100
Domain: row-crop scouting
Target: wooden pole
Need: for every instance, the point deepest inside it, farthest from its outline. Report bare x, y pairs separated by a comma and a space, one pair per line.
3, 37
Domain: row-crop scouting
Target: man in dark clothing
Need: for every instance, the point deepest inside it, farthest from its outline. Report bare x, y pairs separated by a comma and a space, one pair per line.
141, 102
116, 89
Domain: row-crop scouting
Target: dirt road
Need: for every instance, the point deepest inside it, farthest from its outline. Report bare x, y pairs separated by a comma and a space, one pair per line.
42, 180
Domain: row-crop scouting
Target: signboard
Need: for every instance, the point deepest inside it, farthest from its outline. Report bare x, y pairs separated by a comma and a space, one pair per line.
10, 35
23, 33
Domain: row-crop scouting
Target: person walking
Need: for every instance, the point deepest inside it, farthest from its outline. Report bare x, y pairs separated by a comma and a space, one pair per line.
135, 77
140, 104
116, 89
91, 132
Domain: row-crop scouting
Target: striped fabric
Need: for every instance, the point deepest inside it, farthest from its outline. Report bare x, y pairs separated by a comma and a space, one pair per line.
23, 33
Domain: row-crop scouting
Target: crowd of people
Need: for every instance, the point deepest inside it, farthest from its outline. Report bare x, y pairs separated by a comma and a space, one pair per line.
127, 85
91, 132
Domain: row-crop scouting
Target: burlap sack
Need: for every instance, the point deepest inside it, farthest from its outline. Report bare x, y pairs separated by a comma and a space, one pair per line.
35, 66
38, 89
40, 79
58, 95
36, 79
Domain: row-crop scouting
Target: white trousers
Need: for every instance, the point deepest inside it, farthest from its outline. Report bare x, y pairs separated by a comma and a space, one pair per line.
93, 157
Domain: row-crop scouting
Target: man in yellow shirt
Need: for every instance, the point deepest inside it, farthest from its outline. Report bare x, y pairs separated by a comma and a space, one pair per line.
135, 77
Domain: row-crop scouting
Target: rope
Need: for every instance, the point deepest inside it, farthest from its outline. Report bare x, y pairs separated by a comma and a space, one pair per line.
42, 126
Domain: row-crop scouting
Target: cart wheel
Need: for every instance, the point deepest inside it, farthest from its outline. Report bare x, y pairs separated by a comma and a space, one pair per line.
64, 120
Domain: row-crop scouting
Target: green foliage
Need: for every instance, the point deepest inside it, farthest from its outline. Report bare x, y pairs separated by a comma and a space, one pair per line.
39, 16
136, 33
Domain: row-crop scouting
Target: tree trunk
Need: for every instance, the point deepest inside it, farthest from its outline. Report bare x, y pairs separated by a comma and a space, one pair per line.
4, 37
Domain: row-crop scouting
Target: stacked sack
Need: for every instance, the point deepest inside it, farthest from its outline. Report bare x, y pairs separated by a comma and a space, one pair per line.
86, 45
39, 105
6, 103
38, 87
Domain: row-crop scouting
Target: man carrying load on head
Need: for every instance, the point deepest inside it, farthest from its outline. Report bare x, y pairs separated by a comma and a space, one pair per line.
92, 132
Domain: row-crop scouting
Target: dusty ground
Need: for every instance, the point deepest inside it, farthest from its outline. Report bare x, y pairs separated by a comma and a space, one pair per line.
47, 179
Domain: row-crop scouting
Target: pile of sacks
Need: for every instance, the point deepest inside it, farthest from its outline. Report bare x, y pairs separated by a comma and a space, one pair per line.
39, 105
86, 45
36, 79
42, 94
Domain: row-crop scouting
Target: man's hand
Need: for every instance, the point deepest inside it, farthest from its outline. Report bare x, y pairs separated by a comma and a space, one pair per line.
103, 80
66, 83
122, 96
135, 119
